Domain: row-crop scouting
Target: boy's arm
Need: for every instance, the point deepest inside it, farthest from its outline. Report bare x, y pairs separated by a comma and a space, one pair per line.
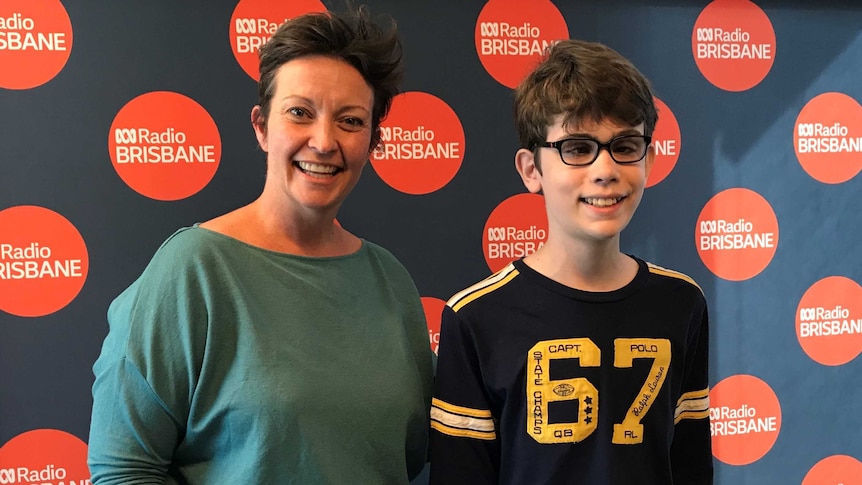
464, 441
691, 450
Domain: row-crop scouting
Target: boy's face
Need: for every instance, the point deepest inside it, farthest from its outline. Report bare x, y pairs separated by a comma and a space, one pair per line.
591, 203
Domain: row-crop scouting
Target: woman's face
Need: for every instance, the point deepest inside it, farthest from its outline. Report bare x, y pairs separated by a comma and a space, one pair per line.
317, 136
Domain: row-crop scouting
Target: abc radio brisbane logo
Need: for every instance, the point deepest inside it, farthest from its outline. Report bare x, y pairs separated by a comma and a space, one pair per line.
745, 419
733, 43
22, 475
516, 228
511, 37
736, 234
44, 457
35, 42
422, 144
666, 141
43, 261
835, 469
828, 138
164, 145
829, 321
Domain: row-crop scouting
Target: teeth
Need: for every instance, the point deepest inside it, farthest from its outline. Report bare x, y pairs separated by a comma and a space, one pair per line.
598, 202
317, 168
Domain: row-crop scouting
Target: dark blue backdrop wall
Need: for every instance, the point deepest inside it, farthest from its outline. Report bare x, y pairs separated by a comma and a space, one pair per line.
783, 287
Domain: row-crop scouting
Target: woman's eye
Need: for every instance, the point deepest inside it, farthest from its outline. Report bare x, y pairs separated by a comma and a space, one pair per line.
354, 123
298, 112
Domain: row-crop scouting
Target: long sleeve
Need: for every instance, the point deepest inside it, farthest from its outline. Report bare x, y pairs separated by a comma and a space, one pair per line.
132, 435
464, 439
146, 374
691, 450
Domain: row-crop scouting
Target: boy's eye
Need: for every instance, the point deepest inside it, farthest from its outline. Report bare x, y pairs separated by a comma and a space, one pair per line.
578, 147
624, 147
627, 145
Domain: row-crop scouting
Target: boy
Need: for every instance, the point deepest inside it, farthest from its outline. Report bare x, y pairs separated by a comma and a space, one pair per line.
578, 364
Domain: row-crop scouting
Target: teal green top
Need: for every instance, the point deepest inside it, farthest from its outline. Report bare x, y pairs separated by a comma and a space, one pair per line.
228, 363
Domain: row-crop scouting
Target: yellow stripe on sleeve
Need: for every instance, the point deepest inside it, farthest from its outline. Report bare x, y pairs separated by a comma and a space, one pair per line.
654, 268
462, 422
451, 408
692, 405
483, 288
462, 433
481, 284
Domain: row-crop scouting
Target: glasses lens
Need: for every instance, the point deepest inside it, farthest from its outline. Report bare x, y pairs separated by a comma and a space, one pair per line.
579, 152
628, 148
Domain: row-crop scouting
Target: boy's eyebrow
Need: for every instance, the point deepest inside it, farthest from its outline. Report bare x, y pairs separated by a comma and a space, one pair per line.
626, 132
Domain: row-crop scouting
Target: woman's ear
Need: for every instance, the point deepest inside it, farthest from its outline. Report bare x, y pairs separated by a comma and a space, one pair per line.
259, 124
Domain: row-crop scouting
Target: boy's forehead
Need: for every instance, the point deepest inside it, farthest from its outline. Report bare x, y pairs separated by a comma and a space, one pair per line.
572, 124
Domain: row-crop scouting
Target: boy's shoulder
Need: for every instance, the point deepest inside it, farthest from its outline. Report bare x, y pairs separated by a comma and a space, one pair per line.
486, 286
672, 275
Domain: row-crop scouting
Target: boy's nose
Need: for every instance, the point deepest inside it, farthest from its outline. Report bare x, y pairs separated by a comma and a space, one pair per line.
604, 169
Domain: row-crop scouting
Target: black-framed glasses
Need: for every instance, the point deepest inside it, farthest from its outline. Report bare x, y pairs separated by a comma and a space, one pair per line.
579, 152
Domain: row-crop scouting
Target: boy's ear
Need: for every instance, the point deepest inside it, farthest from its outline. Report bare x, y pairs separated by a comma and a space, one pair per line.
531, 174
650, 158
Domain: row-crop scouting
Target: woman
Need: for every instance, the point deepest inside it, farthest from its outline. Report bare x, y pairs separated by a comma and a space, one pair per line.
270, 345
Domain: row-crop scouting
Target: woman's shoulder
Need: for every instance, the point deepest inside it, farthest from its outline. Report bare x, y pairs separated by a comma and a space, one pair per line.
187, 244
384, 255
190, 252
388, 261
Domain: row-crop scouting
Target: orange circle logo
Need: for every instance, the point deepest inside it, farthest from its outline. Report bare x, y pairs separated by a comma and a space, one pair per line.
164, 145
515, 229
736, 234
666, 142
733, 43
829, 321
422, 144
43, 261
828, 138
35, 42
433, 312
511, 37
44, 456
835, 470
744, 419
254, 21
